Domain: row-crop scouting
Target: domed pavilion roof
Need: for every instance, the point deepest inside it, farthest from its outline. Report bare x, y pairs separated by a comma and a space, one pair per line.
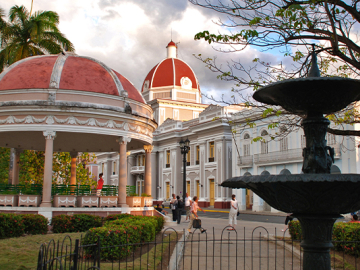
67, 72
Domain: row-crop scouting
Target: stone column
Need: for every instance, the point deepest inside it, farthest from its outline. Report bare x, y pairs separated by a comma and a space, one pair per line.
47, 182
73, 168
147, 178
122, 171
14, 167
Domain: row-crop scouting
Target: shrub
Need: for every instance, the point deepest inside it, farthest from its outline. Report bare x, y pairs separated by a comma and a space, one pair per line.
84, 222
115, 217
11, 225
35, 224
347, 232
145, 227
62, 224
75, 223
295, 230
121, 239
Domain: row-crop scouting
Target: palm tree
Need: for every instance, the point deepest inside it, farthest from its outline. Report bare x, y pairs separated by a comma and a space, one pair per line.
27, 35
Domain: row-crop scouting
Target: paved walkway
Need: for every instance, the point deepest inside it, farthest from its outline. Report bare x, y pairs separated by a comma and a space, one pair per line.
247, 248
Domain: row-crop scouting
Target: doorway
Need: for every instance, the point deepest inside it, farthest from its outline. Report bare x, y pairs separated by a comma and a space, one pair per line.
198, 188
167, 190
188, 188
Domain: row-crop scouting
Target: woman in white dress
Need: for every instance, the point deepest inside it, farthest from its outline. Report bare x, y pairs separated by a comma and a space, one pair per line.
233, 213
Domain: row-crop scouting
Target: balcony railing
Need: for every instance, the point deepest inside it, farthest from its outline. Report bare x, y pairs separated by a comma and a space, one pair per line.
245, 161
288, 155
137, 169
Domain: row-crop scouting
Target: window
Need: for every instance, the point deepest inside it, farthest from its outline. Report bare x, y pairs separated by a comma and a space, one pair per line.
264, 133
264, 148
330, 139
168, 159
303, 141
284, 144
103, 168
211, 151
246, 150
188, 158
139, 160
197, 154
143, 160
246, 136
114, 167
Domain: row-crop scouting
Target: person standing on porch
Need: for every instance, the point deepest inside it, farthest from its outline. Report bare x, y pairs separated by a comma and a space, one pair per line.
233, 213
188, 203
100, 184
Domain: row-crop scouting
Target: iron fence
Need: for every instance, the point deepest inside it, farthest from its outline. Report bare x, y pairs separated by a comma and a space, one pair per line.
233, 249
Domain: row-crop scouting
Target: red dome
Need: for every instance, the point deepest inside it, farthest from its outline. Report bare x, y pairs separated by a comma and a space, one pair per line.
171, 43
169, 72
68, 72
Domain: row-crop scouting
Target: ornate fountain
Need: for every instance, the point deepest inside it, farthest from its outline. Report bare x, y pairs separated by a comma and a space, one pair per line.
316, 198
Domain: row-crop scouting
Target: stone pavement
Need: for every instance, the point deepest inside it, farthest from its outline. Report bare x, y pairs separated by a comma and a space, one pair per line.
247, 248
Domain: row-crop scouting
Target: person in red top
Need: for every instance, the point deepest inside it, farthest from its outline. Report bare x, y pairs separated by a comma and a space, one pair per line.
100, 184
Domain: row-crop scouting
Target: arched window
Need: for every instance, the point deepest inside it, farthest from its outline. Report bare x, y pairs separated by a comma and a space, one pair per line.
264, 133
335, 170
265, 173
246, 136
247, 174
285, 171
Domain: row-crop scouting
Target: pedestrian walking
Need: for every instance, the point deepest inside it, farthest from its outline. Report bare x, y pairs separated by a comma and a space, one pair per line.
173, 207
100, 184
234, 209
188, 203
289, 218
179, 208
193, 214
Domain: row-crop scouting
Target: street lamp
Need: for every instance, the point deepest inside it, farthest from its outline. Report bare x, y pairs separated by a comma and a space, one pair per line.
185, 147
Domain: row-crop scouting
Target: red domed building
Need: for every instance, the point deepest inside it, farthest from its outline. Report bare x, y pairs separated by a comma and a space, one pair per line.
71, 103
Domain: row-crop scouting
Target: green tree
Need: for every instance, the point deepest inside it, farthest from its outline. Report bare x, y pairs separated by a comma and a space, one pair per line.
25, 35
4, 164
290, 27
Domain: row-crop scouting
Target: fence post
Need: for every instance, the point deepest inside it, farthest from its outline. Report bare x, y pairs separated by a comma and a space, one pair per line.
76, 255
99, 251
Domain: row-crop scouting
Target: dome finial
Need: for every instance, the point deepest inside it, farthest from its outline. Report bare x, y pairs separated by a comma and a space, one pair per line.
314, 70
171, 50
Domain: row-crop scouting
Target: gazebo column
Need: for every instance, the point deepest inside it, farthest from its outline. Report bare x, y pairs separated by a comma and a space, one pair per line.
147, 178
73, 168
47, 182
122, 171
14, 167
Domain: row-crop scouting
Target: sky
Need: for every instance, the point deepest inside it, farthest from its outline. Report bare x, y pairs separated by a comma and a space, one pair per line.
130, 36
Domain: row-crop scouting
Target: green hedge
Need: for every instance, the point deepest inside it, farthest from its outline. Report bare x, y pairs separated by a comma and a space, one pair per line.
75, 223
342, 232
347, 232
122, 233
13, 225
35, 224
115, 217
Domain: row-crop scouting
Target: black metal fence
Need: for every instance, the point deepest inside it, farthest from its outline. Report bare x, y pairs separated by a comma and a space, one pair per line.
238, 249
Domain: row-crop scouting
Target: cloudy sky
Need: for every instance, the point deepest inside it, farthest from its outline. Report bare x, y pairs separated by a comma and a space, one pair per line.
130, 36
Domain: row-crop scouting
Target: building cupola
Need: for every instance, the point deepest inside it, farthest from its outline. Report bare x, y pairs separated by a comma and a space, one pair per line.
171, 50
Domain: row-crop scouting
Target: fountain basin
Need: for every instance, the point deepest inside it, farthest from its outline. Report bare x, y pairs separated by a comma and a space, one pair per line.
320, 194
314, 94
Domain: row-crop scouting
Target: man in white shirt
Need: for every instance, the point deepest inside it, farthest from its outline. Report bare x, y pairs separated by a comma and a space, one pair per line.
188, 203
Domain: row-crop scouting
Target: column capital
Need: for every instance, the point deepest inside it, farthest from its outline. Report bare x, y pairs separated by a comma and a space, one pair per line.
123, 140
128, 153
148, 148
49, 134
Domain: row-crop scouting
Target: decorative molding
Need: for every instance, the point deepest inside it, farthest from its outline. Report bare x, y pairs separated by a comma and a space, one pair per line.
49, 134
71, 120
57, 70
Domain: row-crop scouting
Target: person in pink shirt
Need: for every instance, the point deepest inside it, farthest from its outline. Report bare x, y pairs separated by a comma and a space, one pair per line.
100, 184
193, 214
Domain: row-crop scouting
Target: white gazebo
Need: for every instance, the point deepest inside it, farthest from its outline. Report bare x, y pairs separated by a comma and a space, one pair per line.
71, 103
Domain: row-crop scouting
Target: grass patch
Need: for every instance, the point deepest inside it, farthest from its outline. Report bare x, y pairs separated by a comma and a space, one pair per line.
21, 253
150, 260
